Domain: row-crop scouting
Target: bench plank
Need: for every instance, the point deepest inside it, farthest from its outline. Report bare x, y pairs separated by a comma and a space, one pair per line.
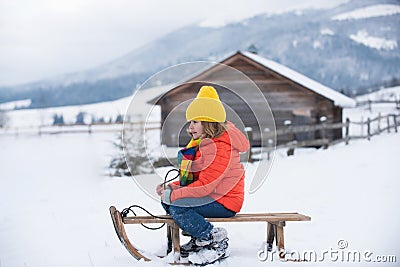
259, 217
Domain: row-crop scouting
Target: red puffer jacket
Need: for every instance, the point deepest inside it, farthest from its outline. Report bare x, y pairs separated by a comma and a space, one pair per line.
218, 171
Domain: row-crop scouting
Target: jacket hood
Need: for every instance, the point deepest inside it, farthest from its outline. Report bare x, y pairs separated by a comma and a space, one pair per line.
235, 137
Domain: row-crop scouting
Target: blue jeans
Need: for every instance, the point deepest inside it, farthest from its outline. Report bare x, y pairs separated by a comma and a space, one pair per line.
189, 214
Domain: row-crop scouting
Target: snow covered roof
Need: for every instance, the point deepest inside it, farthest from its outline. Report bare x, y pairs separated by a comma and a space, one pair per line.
338, 98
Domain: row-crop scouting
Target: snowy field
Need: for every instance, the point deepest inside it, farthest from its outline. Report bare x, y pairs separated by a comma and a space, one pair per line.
56, 191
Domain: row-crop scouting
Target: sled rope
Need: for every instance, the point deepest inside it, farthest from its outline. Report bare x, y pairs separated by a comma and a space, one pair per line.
165, 177
126, 211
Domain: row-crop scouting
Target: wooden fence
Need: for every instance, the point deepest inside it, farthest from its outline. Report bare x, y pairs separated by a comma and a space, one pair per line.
368, 128
77, 128
369, 103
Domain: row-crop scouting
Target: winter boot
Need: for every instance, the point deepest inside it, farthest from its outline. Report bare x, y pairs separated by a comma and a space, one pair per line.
210, 253
217, 235
189, 247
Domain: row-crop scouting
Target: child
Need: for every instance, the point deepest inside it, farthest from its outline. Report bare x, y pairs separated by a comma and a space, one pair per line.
211, 178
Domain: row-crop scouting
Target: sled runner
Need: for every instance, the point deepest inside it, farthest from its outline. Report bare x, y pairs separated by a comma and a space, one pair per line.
275, 230
120, 230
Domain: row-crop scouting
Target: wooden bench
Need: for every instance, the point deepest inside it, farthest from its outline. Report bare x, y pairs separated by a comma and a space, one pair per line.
275, 228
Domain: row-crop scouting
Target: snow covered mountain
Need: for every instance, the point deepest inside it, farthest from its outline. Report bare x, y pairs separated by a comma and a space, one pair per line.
350, 48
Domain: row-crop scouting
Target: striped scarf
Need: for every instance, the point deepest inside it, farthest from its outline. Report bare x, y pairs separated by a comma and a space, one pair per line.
185, 159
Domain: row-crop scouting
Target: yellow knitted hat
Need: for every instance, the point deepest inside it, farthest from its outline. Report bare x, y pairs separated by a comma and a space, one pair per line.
206, 106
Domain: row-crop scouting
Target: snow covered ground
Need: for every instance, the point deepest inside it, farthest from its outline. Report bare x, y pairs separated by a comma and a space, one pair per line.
56, 190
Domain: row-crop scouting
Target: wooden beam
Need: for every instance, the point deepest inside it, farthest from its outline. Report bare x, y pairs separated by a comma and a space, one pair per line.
176, 243
262, 217
281, 241
271, 229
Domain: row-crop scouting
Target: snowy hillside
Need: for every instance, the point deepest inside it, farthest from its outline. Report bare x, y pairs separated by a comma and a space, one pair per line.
369, 12
15, 105
108, 110
36, 117
386, 94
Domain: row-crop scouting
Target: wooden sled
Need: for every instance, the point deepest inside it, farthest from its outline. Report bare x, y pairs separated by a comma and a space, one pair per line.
275, 229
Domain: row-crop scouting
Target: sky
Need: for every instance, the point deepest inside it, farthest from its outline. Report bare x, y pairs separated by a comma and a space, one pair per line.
42, 39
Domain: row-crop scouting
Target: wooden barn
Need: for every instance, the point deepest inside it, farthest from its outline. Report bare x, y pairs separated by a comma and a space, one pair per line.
292, 98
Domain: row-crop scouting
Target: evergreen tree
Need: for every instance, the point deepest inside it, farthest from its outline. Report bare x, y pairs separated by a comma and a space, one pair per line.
58, 119
394, 82
119, 119
80, 118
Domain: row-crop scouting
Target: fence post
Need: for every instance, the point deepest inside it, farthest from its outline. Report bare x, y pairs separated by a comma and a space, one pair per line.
249, 132
270, 145
362, 126
347, 131
369, 129
388, 123
395, 122
290, 134
379, 123
323, 124
290, 151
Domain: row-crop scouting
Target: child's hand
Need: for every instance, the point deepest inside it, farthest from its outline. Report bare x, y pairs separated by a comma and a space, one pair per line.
160, 189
